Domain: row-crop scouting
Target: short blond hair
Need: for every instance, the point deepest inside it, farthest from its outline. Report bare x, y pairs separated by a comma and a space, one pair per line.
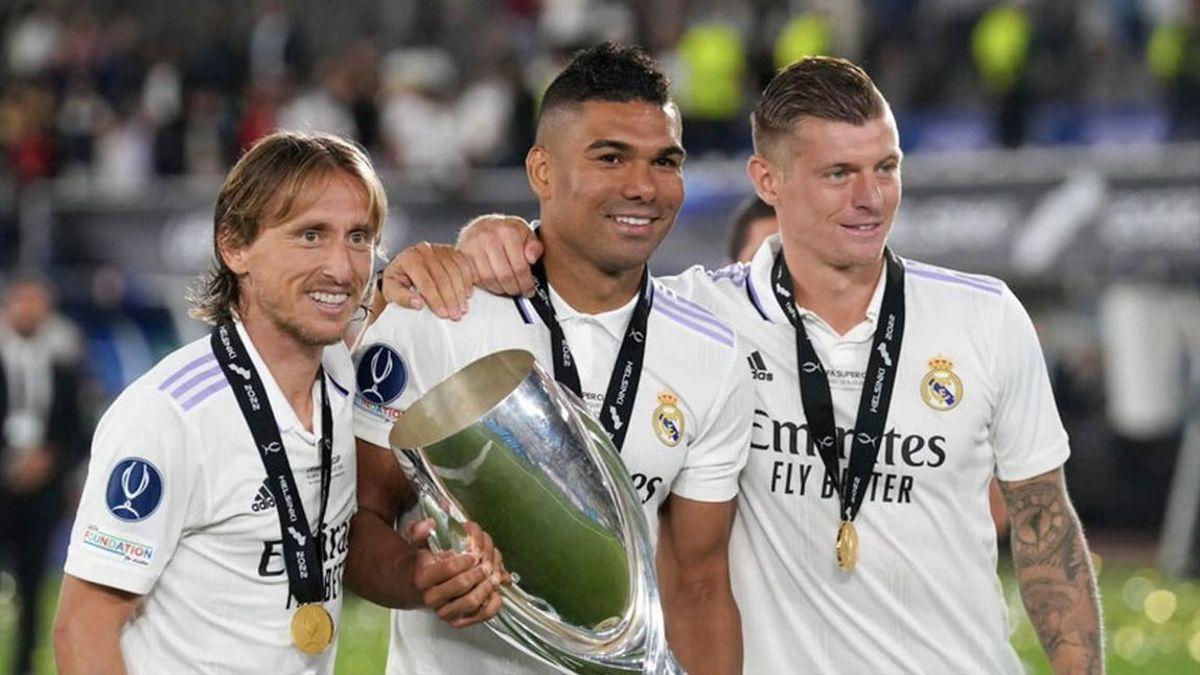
823, 87
266, 185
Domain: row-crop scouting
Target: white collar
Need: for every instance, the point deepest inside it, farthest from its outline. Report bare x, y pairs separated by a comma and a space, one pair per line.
614, 321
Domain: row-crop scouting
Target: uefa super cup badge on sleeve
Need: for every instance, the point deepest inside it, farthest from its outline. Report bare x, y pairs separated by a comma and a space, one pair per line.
500, 443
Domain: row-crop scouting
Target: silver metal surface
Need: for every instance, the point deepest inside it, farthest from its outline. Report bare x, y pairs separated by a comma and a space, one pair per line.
500, 443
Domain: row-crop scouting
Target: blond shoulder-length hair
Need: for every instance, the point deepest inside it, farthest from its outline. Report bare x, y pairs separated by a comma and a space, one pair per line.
267, 185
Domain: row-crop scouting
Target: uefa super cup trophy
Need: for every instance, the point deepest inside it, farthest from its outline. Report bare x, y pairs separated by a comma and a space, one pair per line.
502, 444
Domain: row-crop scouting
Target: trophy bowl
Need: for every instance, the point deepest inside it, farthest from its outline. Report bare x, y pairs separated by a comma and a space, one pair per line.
502, 444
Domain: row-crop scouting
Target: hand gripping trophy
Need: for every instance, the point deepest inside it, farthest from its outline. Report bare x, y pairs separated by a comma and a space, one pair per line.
502, 444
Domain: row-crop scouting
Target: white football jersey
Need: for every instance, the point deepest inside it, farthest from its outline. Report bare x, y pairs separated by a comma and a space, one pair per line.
691, 365
176, 509
972, 399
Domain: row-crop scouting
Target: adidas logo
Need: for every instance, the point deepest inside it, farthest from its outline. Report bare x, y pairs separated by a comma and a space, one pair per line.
758, 367
262, 500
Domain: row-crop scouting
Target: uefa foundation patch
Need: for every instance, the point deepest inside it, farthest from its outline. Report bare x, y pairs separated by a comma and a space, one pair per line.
119, 547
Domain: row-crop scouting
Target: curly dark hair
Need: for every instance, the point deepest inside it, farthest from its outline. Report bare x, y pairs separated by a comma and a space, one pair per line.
607, 72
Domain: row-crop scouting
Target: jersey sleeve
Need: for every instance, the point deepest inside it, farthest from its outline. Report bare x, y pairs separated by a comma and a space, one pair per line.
1027, 433
720, 449
139, 494
399, 358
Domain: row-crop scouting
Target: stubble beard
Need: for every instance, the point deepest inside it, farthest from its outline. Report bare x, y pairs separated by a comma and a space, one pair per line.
296, 329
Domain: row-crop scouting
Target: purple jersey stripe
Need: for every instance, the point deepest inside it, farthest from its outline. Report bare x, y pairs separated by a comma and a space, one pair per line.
342, 390
207, 358
205, 393
519, 302
695, 312
723, 338
696, 306
939, 276
191, 383
987, 281
754, 299
702, 317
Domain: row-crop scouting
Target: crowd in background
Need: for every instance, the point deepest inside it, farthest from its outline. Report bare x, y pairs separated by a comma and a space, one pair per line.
113, 94
108, 97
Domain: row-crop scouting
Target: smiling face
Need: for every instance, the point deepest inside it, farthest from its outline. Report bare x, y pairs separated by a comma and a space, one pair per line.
835, 187
609, 179
304, 275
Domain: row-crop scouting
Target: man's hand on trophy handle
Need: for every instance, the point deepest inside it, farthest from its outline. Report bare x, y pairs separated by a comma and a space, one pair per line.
458, 587
480, 544
489, 609
453, 585
433, 274
501, 248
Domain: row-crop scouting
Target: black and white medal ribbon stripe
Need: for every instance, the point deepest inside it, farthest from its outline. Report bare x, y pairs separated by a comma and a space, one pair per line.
301, 549
623, 383
876, 395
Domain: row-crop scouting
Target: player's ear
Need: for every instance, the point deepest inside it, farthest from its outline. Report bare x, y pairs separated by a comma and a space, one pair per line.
231, 250
537, 170
766, 178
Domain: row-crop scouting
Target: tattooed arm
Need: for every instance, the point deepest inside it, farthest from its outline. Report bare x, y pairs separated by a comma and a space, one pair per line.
1055, 573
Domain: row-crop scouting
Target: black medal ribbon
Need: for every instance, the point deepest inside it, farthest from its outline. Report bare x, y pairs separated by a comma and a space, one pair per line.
623, 383
301, 549
877, 385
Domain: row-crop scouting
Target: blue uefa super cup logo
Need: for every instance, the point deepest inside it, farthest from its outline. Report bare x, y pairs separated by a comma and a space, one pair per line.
135, 489
382, 375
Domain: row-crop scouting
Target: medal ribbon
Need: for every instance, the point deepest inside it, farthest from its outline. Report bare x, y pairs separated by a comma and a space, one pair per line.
623, 383
301, 550
876, 395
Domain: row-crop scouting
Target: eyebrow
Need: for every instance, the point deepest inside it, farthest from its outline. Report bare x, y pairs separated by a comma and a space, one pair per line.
621, 146
892, 157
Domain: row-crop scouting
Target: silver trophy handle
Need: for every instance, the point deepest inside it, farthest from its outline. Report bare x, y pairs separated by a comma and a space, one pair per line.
501, 443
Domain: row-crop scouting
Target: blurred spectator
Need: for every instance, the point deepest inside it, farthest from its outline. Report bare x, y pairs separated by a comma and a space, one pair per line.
124, 153
710, 90
419, 126
1052, 72
496, 114
79, 116
162, 105
1001, 45
119, 67
260, 109
1173, 55
206, 147
753, 222
32, 42
41, 441
125, 331
324, 106
1151, 337
26, 112
277, 50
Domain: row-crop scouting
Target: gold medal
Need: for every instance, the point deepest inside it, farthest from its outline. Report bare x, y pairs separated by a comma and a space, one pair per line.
312, 629
847, 546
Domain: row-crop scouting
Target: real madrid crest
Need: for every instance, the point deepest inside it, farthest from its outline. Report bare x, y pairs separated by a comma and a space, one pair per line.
668, 419
940, 388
